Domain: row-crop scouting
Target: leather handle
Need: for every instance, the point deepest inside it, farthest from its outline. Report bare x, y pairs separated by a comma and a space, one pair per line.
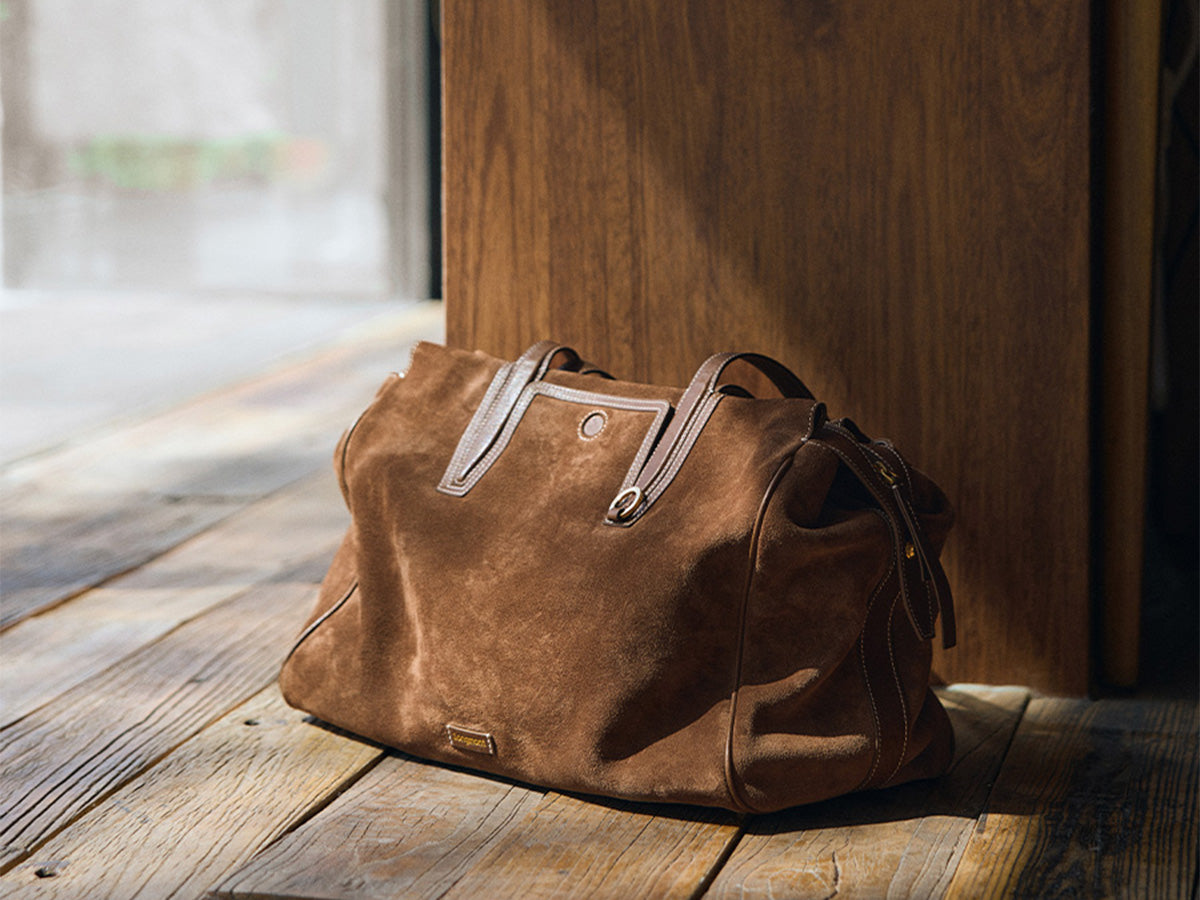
711, 370
691, 413
499, 401
547, 352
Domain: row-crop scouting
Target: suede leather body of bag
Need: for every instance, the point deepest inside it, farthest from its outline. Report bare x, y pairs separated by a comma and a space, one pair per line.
630, 590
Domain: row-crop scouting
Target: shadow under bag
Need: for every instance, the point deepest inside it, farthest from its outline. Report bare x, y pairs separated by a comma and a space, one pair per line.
630, 590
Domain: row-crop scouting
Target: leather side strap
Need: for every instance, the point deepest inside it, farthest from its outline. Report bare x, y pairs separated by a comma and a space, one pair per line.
883, 472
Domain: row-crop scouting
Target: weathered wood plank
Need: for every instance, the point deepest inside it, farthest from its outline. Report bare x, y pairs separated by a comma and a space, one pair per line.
1094, 800
62, 758
406, 829
903, 842
49, 556
46, 655
199, 814
111, 502
415, 830
570, 847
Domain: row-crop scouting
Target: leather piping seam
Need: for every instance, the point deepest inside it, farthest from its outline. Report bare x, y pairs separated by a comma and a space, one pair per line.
320, 620
341, 470
731, 778
678, 454
342, 462
862, 658
899, 691
569, 395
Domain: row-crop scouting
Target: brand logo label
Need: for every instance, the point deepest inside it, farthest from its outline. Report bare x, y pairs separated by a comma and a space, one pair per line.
471, 741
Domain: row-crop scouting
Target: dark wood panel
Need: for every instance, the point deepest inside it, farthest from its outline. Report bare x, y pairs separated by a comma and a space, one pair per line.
893, 199
1132, 72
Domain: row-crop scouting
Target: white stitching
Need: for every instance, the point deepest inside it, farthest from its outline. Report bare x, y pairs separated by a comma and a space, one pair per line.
683, 447
918, 532
467, 441
566, 394
675, 459
862, 658
812, 417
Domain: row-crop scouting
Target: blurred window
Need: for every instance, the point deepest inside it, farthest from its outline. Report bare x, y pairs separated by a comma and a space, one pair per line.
216, 145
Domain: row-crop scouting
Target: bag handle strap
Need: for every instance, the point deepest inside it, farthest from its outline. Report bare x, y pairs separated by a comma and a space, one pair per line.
499, 401
711, 370
691, 414
548, 352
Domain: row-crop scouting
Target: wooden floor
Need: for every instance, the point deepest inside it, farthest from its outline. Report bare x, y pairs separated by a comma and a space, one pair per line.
155, 573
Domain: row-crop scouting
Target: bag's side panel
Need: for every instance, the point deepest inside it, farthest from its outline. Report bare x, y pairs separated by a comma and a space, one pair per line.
336, 671
807, 722
322, 673
858, 668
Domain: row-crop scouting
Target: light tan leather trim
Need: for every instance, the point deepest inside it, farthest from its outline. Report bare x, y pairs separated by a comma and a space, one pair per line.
458, 484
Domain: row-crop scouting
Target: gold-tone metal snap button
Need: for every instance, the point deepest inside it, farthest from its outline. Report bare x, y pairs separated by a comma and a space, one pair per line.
593, 423
625, 504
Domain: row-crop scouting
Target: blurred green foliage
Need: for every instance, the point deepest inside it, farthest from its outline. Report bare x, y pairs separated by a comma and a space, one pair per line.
165, 164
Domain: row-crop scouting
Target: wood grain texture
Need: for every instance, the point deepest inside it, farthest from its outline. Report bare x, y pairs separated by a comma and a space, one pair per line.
415, 830
893, 200
101, 507
60, 759
1094, 799
569, 847
187, 822
903, 842
49, 654
406, 829
53, 555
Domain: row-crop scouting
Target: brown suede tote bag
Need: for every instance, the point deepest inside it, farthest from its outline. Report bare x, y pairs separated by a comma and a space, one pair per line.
630, 590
